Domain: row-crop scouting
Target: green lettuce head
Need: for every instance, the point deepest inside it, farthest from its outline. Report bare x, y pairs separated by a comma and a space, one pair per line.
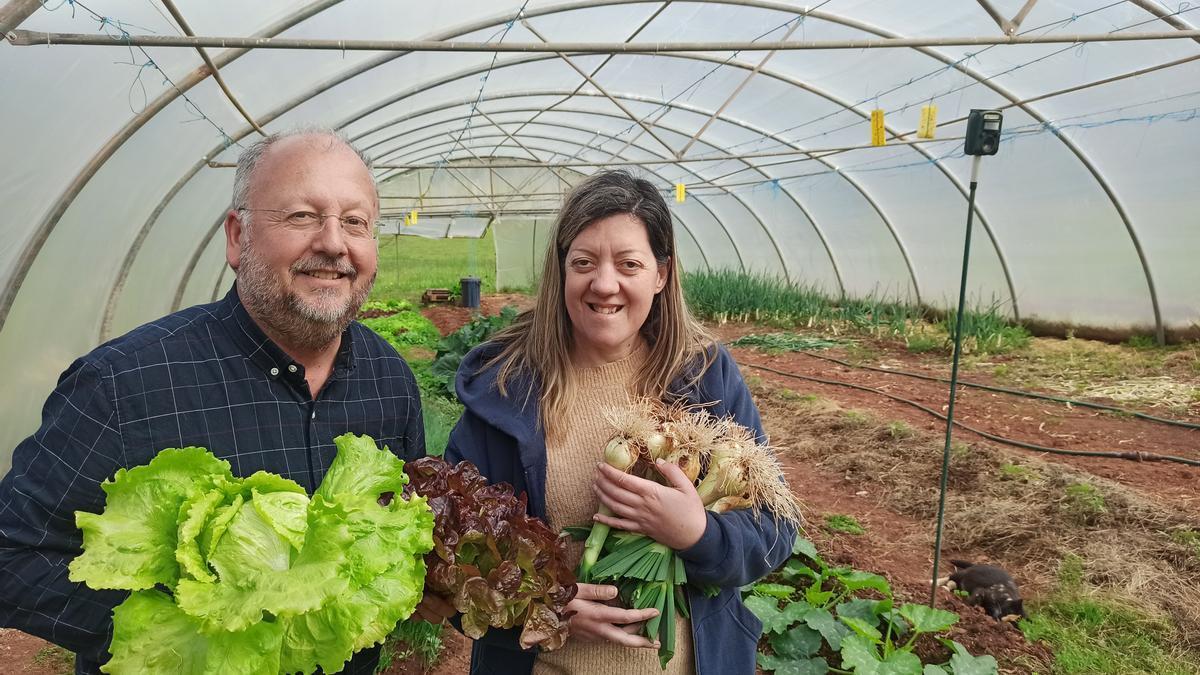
251, 575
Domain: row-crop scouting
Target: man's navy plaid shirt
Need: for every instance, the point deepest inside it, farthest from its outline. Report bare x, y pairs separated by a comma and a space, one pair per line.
206, 376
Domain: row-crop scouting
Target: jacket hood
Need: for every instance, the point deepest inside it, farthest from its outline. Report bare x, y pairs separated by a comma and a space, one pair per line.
515, 414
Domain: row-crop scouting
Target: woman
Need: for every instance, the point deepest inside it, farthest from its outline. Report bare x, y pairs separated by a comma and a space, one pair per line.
611, 323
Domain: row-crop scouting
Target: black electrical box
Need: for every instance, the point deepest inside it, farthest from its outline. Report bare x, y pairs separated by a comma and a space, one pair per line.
983, 132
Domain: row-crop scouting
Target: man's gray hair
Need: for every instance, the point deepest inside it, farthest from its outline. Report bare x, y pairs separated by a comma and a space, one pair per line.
249, 159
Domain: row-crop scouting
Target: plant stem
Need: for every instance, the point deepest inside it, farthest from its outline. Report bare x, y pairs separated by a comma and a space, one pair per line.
591, 548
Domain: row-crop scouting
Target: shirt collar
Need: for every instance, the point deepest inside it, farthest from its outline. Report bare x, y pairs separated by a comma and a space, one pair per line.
267, 355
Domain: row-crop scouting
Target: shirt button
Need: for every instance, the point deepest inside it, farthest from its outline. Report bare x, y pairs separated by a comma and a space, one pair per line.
292, 368
274, 372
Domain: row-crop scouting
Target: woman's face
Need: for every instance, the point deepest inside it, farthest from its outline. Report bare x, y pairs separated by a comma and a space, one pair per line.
610, 280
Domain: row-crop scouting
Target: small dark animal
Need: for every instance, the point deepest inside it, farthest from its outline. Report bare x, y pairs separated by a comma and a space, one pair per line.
989, 587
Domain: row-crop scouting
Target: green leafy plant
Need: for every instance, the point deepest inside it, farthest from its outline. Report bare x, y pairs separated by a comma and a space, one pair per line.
1084, 501
405, 329
454, 347
391, 306
413, 638
251, 575
784, 342
840, 522
813, 613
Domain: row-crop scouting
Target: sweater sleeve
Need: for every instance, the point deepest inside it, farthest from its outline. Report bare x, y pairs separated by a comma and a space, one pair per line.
740, 546
56, 472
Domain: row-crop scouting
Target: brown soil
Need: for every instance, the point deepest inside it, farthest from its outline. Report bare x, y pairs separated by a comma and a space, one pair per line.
454, 660
23, 653
449, 318
1042, 423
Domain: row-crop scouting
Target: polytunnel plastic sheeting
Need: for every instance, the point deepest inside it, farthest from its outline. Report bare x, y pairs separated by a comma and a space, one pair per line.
1085, 216
520, 244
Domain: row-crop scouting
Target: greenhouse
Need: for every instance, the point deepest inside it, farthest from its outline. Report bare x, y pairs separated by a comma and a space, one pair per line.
816, 162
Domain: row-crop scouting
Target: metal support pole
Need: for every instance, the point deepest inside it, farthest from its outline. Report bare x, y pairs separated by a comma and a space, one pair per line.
958, 321
29, 38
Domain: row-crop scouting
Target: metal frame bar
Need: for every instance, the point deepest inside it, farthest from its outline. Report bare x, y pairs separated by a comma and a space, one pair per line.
216, 72
1005, 25
29, 38
746, 80
1022, 13
14, 13
594, 83
654, 15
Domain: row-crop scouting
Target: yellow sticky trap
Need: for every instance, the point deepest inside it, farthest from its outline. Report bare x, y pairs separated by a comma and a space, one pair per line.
407, 220
413, 214
680, 192
877, 131
928, 122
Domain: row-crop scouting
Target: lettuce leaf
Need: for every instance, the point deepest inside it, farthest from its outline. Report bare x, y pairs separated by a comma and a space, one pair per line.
132, 544
360, 469
152, 635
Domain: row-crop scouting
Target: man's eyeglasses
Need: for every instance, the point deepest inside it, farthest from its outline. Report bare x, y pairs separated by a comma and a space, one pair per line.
309, 223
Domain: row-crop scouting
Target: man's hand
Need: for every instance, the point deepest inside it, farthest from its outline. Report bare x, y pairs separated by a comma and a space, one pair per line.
594, 620
434, 608
672, 515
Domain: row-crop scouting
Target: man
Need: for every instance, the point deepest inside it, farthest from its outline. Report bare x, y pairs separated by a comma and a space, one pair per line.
265, 379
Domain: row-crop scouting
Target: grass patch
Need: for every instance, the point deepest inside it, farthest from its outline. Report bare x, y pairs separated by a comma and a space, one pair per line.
841, 522
784, 342
1018, 472
899, 430
921, 343
1084, 502
412, 638
408, 265
55, 658
1096, 636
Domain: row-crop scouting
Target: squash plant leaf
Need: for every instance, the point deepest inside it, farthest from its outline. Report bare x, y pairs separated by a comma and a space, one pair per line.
830, 628
794, 570
780, 591
798, 642
857, 580
787, 666
863, 609
862, 628
963, 663
805, 548
767, 611
928, 619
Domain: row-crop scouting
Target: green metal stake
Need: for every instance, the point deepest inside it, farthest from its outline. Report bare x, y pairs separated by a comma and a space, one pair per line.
958, 321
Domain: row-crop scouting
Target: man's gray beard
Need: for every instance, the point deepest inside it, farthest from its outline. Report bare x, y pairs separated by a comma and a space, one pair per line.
298, 324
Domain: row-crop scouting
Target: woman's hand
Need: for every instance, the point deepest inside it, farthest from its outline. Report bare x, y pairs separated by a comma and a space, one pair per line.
672, 515
594, 620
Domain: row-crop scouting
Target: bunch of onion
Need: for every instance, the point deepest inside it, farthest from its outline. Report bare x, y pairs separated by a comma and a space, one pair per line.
644, 432
740, 474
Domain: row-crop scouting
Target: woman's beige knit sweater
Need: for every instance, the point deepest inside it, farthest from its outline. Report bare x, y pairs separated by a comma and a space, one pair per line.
570, 473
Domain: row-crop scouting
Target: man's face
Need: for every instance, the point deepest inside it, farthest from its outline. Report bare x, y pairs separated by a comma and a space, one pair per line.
305, 284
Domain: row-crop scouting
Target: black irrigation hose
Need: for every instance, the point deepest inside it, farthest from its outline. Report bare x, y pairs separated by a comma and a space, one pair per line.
1014, 392
1138, 456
